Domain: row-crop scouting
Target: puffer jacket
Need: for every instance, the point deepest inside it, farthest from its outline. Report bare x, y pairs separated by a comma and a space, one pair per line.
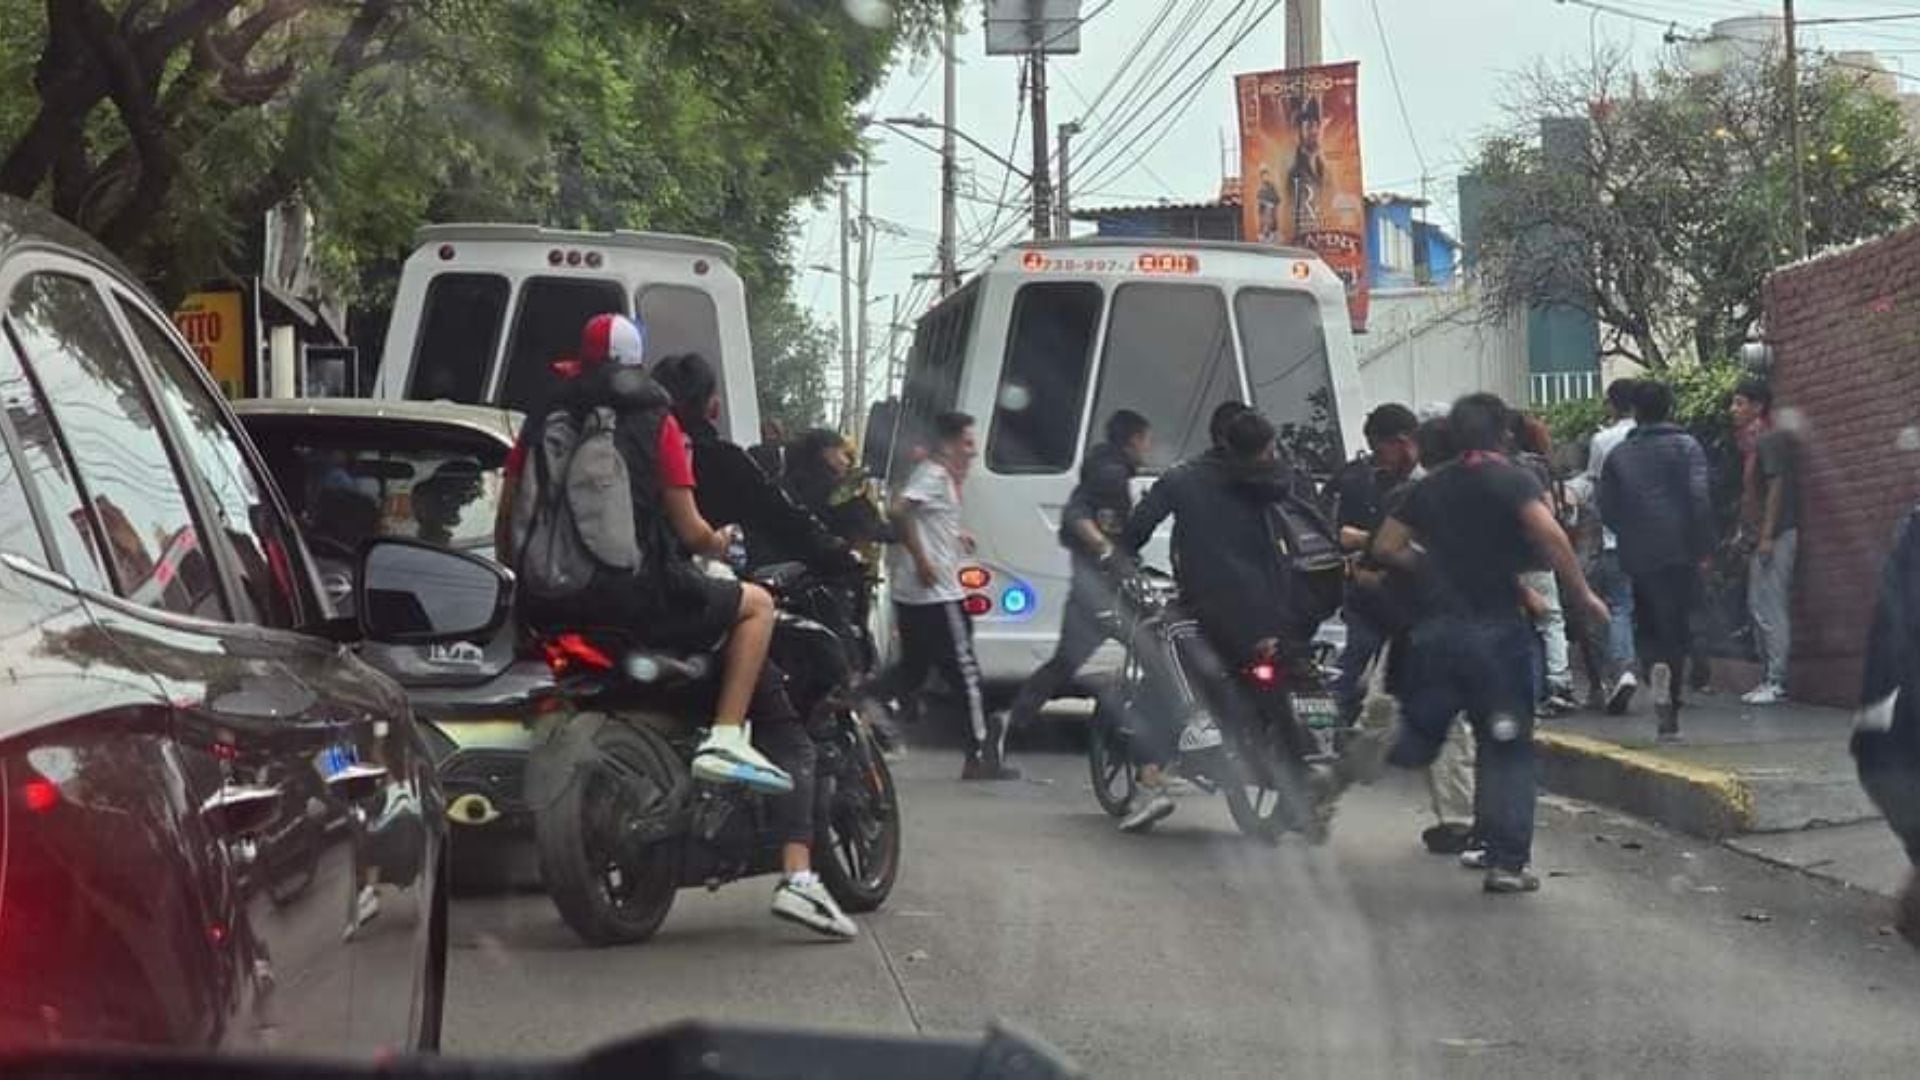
1654, 495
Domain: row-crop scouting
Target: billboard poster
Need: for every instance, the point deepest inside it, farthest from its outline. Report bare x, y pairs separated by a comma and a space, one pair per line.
215, 325
1300, 182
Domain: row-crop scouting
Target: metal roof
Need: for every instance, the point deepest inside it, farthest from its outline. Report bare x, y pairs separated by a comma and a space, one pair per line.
503, 424
479, 232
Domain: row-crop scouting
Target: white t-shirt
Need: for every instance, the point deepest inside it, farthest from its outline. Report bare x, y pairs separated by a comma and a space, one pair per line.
933, 499
1605, 442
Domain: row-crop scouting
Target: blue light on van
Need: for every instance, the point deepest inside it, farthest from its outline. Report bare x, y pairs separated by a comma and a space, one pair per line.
1017, 600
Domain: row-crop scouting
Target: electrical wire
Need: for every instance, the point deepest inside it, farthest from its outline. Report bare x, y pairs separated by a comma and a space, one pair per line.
1130, 105
1400, 98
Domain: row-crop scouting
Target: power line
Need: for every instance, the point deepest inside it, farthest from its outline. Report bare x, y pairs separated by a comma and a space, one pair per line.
1130, 105
1191, 91
1393, 75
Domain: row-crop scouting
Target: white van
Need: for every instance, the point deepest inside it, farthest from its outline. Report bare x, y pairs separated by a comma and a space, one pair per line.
1052, 337
483, 309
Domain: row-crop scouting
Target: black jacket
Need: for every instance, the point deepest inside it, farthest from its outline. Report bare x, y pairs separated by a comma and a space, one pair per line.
734, 491
1225, 560
1886, 736
1104, 496
1654, 496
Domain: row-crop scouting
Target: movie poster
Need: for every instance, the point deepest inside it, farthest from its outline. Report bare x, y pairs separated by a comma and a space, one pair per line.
1300, 180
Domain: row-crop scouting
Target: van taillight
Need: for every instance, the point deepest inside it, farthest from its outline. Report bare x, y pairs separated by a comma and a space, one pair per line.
593, 259
446, 251
556, 257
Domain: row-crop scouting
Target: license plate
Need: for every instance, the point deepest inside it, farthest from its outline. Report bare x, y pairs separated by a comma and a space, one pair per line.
1315, 709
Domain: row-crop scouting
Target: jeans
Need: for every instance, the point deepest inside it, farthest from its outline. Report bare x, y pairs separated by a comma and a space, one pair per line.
1551, 629
1478, 665
1364, 640
1616, 588
1770, 599
1663, 606
1081, 634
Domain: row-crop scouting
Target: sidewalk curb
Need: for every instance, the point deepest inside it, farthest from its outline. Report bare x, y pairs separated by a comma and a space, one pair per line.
1710, 803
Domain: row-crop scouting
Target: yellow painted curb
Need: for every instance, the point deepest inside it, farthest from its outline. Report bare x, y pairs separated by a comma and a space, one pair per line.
1727, 791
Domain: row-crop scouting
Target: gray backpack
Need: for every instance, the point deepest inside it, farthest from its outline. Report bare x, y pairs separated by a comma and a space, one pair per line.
574, 521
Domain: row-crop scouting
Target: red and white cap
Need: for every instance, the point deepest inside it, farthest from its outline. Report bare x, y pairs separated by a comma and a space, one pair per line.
612, 337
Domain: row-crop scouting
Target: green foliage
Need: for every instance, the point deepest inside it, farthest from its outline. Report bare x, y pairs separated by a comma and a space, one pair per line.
791, 357
1573, 421
1664, 207
709, 117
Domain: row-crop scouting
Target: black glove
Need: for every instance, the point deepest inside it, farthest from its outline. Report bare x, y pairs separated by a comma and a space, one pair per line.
1117, 565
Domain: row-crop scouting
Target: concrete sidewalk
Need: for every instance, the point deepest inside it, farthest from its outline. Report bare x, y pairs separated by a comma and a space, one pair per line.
1775, 782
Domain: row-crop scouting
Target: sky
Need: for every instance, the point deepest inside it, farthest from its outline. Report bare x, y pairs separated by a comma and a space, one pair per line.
1451, 58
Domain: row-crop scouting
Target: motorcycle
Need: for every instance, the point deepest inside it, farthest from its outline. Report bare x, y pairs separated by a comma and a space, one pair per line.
1282, 746
619, 820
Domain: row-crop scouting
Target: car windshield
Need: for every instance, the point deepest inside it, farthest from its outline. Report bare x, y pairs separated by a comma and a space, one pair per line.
350, 481
1206, 538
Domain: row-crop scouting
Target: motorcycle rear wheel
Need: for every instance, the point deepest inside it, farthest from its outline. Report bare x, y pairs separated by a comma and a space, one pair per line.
607, 891
1267, 796
858, 839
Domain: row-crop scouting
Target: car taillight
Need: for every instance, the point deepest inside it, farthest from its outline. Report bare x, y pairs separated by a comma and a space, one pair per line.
569, 651
40, 794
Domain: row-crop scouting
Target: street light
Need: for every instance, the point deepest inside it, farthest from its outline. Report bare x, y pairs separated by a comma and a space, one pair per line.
928, 123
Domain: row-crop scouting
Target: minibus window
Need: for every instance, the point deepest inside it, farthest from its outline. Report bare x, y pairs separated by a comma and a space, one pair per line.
680, 319
1043, 380
458, 336
547, 328
1286, 350
933, 375
1169, 357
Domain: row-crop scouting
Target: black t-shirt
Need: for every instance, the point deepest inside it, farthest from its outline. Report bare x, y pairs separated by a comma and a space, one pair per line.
1466, 514
1360, 494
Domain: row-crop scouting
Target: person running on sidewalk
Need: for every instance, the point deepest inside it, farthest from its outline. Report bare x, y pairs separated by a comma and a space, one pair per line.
1772, 476
1608, 578
1886, 734
924, 569
1553, 671
1473, 526
1094, 519
1654, 496
1360, 493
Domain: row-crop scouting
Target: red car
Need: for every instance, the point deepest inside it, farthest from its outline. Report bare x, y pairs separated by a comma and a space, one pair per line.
219, 828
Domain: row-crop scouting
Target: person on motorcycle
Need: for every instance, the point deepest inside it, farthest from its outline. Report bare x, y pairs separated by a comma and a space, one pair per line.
731, 490
822, 476
671, 603
1229, 573
1090, 527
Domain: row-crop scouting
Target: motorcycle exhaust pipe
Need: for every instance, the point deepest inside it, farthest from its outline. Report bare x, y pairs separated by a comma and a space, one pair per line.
472, 809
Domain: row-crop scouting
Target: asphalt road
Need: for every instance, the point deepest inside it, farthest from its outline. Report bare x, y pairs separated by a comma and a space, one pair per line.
1192, 952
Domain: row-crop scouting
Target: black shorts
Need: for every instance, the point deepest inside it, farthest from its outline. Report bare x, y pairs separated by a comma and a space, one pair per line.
695, 613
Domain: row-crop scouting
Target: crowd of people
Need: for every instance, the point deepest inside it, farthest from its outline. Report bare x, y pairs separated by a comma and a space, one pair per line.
1476, 573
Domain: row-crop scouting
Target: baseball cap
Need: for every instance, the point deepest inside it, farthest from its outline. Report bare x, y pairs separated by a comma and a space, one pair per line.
612, 337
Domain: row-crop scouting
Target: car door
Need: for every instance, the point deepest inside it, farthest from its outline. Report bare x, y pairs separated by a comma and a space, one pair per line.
256, 731
345, 744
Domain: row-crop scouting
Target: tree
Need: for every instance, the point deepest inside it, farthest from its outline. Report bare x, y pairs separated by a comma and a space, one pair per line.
791, 357
1660, 204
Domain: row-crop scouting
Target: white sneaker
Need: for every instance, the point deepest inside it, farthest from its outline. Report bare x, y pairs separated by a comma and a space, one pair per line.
1201, 733
1622, 694
1474, 858
804, 901
1155, 805
728, 757
1662, 678
1765, 694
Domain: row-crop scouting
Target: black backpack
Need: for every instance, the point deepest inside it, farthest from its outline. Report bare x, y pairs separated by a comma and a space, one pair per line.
1315, 565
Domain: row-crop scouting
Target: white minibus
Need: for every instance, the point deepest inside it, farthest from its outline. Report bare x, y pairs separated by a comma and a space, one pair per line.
482, 310
1052, 337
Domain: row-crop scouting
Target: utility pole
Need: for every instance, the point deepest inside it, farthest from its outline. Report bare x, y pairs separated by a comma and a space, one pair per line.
1037, 87
1795, 139
949, 272
846, 314
1063, 226
893, 340
1303, 33
857, 411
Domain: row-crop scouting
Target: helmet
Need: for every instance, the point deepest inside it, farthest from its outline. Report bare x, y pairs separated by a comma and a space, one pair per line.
612, 337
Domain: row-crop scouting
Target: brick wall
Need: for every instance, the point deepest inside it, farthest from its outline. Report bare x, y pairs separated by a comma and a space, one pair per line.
1846, 337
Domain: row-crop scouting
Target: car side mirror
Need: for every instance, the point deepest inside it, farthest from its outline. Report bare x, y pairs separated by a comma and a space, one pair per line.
412, 593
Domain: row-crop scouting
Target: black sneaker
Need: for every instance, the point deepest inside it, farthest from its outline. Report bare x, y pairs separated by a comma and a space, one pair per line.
1510, 881
1669, 730
1450, 838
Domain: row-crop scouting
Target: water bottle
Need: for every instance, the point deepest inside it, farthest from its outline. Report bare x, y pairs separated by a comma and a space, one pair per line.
736, 549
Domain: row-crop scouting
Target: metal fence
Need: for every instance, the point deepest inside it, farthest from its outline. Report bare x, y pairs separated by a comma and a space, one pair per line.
1553, 387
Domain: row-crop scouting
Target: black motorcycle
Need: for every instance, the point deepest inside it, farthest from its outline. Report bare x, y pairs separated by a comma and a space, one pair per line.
620, 822
1281, 747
